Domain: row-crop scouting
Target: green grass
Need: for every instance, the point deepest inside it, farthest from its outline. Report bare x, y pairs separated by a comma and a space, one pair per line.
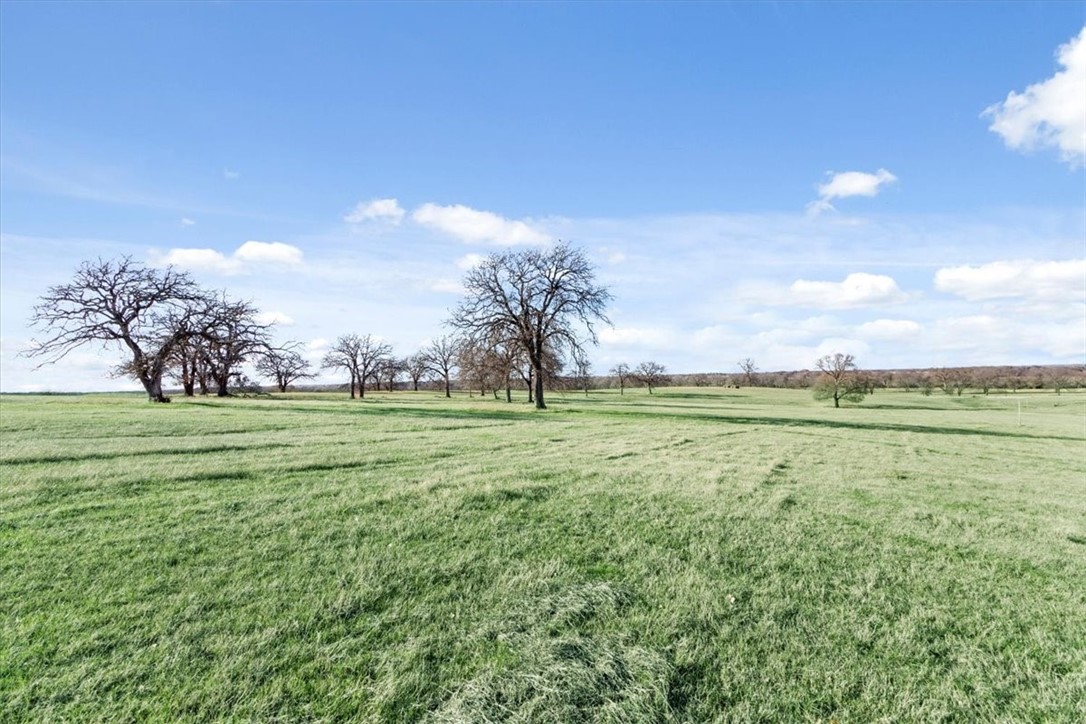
698, 555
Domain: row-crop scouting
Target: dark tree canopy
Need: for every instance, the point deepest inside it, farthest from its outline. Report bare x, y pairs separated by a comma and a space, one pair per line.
146, 312
540, 300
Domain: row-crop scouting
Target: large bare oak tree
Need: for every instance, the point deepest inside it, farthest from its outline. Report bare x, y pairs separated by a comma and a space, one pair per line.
541, 299
146, 312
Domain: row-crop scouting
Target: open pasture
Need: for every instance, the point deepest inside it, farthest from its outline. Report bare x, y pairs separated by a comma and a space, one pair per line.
698, 555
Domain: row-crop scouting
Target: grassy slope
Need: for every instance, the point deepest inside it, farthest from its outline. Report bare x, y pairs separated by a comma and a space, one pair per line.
699, 555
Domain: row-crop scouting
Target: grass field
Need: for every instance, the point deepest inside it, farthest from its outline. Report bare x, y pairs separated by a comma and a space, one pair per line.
700, 555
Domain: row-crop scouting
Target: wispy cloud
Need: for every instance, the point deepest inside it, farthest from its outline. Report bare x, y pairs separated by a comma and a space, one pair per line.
1051, 113
186, 221
386, 210
276, 318
849, 183
230, 175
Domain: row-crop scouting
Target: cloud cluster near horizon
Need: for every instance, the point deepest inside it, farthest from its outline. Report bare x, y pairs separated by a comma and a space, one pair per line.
1050, 113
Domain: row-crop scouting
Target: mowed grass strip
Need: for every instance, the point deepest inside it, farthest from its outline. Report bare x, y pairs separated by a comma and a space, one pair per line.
696, 555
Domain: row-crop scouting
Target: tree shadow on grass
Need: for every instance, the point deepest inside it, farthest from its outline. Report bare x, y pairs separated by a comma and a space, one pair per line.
560, 415
720, 419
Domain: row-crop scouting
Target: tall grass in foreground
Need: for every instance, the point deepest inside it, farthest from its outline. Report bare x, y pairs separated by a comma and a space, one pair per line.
700, 555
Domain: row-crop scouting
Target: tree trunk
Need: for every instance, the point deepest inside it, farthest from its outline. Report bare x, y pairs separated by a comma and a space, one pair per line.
448, 392
153, 385
537, 375
188, 377
508, 392
223, 384
353, 384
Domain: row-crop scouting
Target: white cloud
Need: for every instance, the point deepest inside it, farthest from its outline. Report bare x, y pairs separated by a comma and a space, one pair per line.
479, 227
1051, 113
857, 290
199, 260
185, 221
849, 183
889, 329
387, 210
230, 175
1042, 280
268, 252
470, 261
246, 256
274, 318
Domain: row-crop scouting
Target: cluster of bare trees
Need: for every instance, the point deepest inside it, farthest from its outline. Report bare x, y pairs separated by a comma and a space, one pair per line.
165, 322
647, 374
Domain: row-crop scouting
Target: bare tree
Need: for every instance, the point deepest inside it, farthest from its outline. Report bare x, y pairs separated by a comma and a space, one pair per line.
120, 303
360, 356
388, 370
188, 362
232, 336
582, 372
839, 380
651, 374
540, 299
284, 364
441, 356
416, 366
750, 371
1058, 379
622, 373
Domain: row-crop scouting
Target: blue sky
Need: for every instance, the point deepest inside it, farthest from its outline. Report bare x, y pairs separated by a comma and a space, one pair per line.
904, 181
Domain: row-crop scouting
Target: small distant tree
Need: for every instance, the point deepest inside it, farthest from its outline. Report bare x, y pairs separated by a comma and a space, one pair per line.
651, 374
416, 367
1058, 380
358, 355
441, 358
750, 371
284, 364
582, 372
839, 379
621, 372
389, 369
